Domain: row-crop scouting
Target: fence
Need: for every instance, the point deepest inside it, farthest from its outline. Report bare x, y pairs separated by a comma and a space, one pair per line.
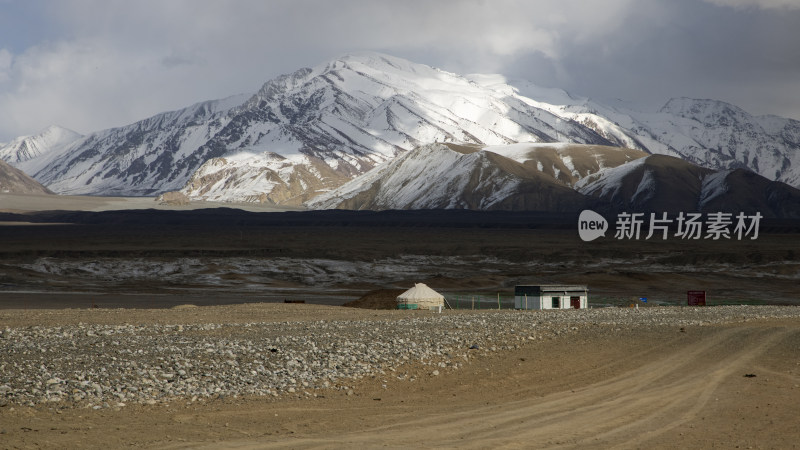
479, 301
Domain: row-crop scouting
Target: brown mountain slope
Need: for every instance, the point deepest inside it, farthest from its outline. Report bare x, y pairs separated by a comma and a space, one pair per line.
749, 192
14, 181
568, 164
662, 183
448, 176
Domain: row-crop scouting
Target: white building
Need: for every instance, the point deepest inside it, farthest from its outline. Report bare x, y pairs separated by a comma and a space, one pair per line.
551, 296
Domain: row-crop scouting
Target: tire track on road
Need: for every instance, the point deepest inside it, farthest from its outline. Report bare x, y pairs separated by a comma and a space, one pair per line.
630, 410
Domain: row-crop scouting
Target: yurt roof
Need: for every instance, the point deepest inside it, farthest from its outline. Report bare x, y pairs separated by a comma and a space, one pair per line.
420, 291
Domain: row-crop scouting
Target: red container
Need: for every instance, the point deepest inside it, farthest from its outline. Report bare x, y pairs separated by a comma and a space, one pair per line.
696, 298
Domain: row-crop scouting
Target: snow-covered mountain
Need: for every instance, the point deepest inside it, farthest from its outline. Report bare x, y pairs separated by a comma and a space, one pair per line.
349, 114
153, 155
719, 135
452, 176
311, 131
39, 146
708, 133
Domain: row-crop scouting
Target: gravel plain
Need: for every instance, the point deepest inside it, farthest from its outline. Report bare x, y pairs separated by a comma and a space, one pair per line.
106, 362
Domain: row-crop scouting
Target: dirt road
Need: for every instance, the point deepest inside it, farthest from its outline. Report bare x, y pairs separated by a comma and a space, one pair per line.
687, 392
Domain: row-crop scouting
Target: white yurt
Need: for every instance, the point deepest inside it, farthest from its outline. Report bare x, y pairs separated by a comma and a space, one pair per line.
420, 297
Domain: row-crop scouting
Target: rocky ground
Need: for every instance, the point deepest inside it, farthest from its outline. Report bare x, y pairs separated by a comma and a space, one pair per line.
97, 364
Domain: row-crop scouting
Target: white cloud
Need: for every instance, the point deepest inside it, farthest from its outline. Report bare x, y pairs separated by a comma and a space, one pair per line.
66, 83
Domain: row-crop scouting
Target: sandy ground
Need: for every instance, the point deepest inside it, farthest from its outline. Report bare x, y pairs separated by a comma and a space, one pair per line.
601, 387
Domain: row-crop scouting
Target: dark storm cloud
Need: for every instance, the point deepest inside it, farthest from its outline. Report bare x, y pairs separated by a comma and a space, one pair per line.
96, 64
683, 48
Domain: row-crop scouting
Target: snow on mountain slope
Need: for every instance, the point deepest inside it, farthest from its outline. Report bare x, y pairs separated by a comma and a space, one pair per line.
654, 183
752, 193
608, 183
146, 157
660, 183
719, 135
708, 133
452, 176
565, 109
39, 145
713, 186
266, 178
365, 109
351, 113
314, 129
567, 163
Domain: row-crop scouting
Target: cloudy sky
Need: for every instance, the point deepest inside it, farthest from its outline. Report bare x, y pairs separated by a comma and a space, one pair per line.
94, 64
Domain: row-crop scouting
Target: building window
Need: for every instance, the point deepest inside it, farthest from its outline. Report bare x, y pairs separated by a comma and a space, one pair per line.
556, 302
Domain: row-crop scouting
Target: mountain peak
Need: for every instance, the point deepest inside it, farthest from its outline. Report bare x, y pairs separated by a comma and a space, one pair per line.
54, 134
379, 61
704, 110
25, 148
366, 63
